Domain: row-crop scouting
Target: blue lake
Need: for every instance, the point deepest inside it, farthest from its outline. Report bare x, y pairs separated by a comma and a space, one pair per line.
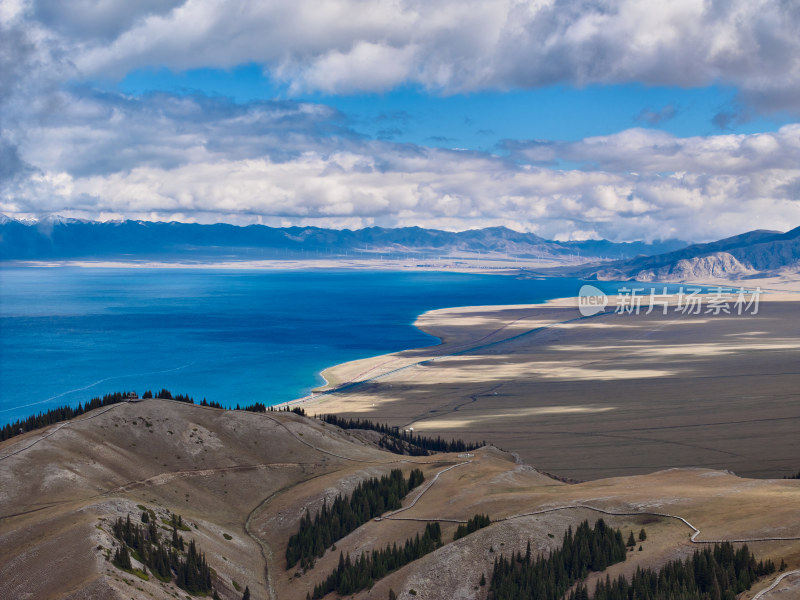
67, 334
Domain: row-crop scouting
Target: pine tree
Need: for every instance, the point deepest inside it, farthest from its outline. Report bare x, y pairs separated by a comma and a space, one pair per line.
392, 595
483, 580
642, 535
122, 557
246, 595
631, 541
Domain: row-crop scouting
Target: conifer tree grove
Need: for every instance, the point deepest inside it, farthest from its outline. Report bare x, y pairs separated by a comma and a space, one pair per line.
475, 523
550, 577
403, 442
65, 413
354, 575
718, 573
164, 559
371, 498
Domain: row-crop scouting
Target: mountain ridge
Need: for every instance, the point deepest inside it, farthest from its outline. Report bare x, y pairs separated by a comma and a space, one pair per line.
63, 238
752, 254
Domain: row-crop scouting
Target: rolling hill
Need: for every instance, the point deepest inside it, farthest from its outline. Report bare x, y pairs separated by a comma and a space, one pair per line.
242, 483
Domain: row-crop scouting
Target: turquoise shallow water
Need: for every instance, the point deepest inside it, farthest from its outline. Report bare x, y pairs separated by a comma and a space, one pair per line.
67, 334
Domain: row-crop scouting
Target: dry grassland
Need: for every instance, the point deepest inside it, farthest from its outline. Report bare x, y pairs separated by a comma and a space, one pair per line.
601, 397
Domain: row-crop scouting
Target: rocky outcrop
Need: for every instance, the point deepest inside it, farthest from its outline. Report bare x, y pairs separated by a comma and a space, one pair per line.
757, 253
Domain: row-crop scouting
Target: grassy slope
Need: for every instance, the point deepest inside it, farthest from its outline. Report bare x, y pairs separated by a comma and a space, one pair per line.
219, 468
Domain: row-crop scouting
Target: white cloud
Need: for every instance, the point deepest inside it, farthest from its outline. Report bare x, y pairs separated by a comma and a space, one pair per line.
98, 19
454, 45
649, 150
93, 133
366, 66
184, 158
91, 154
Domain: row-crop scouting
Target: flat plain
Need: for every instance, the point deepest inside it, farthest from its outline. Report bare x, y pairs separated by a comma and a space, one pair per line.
611, 395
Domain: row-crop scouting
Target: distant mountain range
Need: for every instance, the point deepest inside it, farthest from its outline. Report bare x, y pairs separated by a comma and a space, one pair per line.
752, 254
57, 238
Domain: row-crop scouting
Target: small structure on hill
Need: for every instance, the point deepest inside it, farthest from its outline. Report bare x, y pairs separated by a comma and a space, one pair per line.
132, 397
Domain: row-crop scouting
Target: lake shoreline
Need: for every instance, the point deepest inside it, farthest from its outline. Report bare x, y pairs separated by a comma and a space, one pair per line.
520, 375
228, 335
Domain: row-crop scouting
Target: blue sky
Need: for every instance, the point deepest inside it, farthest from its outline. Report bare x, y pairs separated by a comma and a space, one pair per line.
572, 119
481, 120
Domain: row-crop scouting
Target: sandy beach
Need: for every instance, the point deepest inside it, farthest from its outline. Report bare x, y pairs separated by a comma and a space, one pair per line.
611, 395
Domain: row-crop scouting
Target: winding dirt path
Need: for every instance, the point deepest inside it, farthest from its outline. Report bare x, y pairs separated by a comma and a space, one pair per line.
163, 478
775, 584
266, 551
167, 476
428, 486
693, 538
57, 429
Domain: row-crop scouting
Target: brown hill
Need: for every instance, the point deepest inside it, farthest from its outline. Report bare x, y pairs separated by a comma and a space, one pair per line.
242, 481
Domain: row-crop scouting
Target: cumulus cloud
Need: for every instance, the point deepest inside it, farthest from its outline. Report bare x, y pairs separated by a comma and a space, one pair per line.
67, 148
344, 188
195, 158
16, 52
649, 150
98, 20
98, 133
450, 45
